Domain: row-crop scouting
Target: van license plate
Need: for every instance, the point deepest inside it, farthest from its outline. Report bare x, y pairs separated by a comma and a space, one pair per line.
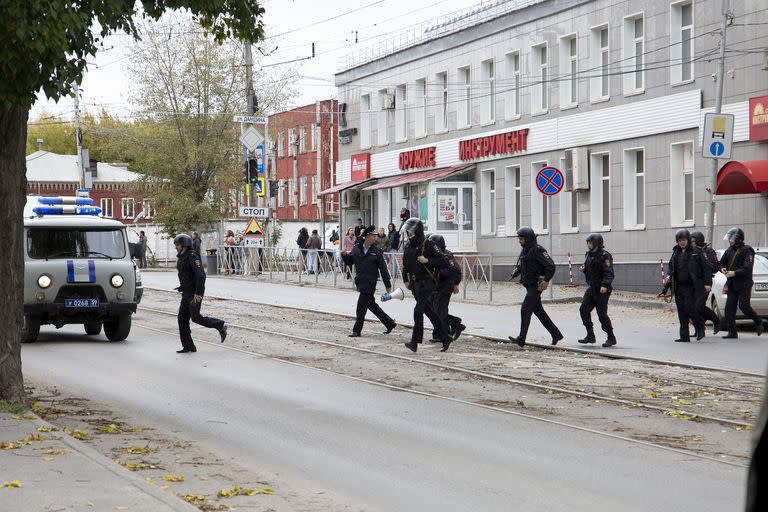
81, 303
761, 287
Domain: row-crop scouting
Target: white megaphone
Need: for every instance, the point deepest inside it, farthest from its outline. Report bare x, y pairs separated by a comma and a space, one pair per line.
397, 294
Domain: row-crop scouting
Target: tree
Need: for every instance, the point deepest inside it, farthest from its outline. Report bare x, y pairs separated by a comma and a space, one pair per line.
44, 45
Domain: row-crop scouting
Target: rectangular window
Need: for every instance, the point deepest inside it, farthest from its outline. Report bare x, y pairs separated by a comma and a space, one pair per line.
315, 190
303, 190
540, 90
292, 142
569, 83
313, 137
682, 173
106, 207
634, 188
488, 201
569, 208
291, 192
145, 207
600, 193
280, 144
634, 44
512, 97
464, 110
599, 55
420, 108
302, 139
365, 121
281, 193
382, 120
512, 199
539, 204
681, 40
441, 103
401, 113
126, 207
488, 70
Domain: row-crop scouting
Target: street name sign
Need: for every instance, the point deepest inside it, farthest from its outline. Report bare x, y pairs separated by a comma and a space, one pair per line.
717, 140
251, 119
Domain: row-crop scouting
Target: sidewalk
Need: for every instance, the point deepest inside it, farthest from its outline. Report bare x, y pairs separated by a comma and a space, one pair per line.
55, 471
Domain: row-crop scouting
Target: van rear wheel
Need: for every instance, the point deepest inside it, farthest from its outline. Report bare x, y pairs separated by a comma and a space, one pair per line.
118, 328
93, 328
31, 329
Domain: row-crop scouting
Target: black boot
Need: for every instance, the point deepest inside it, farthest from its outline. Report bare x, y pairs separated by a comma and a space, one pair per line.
730, 336
716, 327
519, 340
759, 328
412, 346
557, 337
589, 338
611, 341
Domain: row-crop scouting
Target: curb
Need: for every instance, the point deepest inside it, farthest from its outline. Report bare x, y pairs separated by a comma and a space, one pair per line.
108, 464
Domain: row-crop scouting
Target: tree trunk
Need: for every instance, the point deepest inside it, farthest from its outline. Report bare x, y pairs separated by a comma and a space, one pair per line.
13, 185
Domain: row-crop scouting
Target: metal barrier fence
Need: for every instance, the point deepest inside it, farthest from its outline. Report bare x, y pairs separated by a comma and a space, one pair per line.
326, 267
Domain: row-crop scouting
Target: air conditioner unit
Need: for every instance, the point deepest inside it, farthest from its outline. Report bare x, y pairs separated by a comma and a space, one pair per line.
387, 101
576, 169
350, 198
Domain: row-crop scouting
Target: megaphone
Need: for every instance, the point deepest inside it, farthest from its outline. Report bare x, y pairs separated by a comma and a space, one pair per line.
397, 294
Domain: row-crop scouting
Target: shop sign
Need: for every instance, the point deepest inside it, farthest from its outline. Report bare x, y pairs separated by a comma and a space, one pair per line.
424, 157
501, 144
361, 166
758, 118
345, 136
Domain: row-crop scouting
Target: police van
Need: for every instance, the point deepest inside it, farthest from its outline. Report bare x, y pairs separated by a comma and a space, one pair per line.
77, 268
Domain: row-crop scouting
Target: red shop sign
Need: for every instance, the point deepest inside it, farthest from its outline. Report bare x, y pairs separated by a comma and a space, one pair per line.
758, 118
361, 166
424, 157
503, 143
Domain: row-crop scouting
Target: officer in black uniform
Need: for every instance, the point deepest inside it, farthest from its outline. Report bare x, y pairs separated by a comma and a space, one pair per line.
736, 264
711, 266
422, 261
369, 263
598, 268
689, 275
536, 269
192, 288
447, 284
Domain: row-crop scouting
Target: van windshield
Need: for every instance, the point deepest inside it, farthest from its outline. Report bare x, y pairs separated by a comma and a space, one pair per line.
64, 243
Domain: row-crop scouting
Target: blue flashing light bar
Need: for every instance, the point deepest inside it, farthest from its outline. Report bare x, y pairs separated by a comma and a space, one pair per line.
67, 210
80, 201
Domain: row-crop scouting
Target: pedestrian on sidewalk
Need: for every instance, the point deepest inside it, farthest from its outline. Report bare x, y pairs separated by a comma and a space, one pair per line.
689, 277
359, 228
369, 264
192, 288
382, 241
711, 266
535, 268
394, 245
347, 244
598, 269
736, 264
196, 242
405, 214
448, 281
229, 256
301, 243
142, 250
314, 243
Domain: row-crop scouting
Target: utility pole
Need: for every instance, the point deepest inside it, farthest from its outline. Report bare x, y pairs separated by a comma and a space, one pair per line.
79, 138
249, 100
718, 107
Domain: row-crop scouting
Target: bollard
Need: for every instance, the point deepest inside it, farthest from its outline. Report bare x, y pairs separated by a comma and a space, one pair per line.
570, 273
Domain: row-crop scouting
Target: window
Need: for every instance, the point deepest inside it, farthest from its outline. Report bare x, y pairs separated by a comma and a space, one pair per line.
365, 121
512, 98
539, 203
540, 89
382, 120
145, 207
420, 108
401, 113
280, 144
488, 201
681, 39
464, 114
441, 103
281, 194
292, 142
302, 139
315, 190
634, 188
313, 137
303, 190
127, 206
488, 111
598, 84
512, 199
569, 208
634, 43
569, 83
291, 192
106, 207
682, 184
600, 193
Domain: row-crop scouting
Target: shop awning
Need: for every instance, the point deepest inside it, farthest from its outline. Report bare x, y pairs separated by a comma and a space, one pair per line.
747, 177
344, 186
419, 177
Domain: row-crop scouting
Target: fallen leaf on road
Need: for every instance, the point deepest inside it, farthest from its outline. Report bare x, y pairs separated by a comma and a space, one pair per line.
47, 429
682, 402
134, 429
34, 437
56, 452
47, 459
137, 449
192, 498
12, 484
7, 445
251, 492
164, 487
237, 491
173, 478
80, 434
111, 429
678, 414
137, 466
744, 428
120, 507
651, 394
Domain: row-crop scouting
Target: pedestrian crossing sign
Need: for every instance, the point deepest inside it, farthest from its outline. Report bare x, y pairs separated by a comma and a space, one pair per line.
260, 189
254, 229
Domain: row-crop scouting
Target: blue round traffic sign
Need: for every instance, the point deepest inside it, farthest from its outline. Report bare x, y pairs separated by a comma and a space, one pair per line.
717, 148
550, 181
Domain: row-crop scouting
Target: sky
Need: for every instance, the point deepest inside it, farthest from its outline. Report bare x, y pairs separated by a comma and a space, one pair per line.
292, 26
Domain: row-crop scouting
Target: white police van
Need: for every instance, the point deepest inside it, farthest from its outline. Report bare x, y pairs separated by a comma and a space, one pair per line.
77, 268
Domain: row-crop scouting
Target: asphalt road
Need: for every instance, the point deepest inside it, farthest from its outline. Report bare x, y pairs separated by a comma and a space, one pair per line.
372, 447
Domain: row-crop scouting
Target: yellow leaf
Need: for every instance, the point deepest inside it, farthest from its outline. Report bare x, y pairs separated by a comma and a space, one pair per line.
111, 429
80, 434
651, 394
137, 449
7, 445
173, 478
56, 452
134, 429
192, 498
164, 487
251, 492
550, 392
151, 481
12, 483
47, 429
120, 507
47, 459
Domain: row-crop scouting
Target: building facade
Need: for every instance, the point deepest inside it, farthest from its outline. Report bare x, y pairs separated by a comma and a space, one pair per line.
457, 126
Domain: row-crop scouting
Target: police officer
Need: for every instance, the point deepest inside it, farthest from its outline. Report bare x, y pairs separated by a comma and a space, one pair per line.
689, 275
369, 263
192, 288
736, 264
711, 266
422, 260
535, 269
447, 285
598, 268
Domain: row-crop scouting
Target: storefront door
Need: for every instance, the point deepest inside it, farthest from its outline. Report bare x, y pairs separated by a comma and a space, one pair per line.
455, 209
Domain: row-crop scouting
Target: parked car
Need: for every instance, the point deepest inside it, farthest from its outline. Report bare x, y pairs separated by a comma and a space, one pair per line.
759, 289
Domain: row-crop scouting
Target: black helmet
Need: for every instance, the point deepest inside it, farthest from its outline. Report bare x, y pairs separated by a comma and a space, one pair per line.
698, 237
596, 239
184, 239
438, 240
682, 233
735, 234
526, 233
413, 229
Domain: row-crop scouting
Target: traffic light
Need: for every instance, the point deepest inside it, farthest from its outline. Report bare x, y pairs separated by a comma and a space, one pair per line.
253, 171
245, 173
274, 188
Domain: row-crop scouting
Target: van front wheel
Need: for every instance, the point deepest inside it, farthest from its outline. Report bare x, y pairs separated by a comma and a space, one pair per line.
118, 328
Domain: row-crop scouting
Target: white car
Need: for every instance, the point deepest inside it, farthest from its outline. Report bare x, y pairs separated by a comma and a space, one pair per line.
759, 290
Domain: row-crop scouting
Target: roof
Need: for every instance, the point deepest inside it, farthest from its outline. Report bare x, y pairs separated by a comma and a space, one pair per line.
419, 177
343, 186
746, 177
53, 167
68, 221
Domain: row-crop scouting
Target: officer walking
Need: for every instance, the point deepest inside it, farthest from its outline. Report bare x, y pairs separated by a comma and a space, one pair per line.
711, 266
369, 263
598, 268
421, 277
447, 285
736, 264
689, 277
535, 269
192, 288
